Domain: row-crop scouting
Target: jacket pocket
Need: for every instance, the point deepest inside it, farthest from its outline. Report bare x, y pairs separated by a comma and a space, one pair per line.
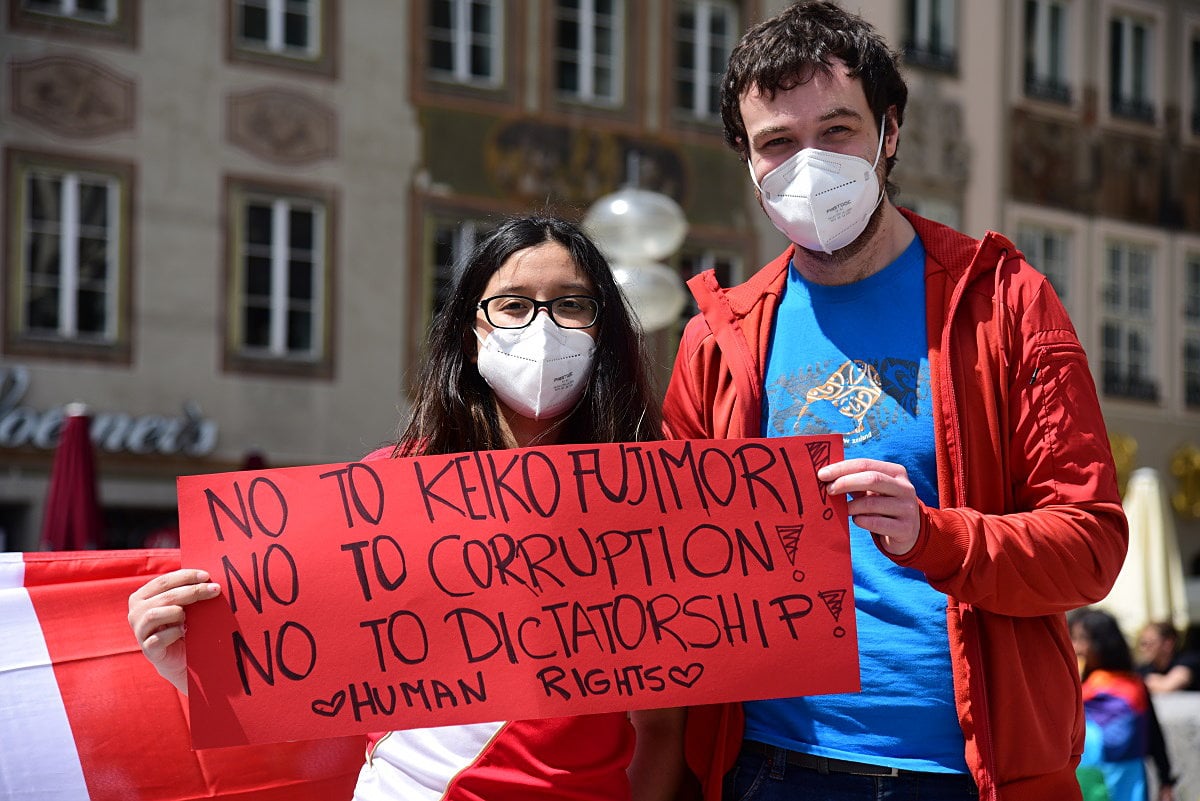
1063, 440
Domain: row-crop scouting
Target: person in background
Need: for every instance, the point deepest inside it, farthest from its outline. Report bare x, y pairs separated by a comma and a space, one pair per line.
1163, 666
982, 493
534, 347
1122, 728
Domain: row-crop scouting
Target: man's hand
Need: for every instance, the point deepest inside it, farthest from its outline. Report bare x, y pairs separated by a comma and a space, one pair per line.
882, 500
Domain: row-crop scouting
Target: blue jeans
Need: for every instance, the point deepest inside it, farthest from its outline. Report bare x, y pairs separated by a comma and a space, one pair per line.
762, 777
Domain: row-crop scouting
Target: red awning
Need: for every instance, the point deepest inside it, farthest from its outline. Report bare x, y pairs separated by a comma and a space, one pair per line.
72, 519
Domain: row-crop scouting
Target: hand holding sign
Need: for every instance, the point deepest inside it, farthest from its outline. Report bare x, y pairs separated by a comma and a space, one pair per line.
537, 582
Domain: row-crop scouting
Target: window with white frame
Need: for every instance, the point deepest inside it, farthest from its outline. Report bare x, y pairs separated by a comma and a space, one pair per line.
103, 12
589, 40
105, 20
706, 31
1048, 250
1131, 67
290, 29
930, 40
1191, 330
280, 278
1046, 61
1127, 334
70, 254
466, 40
451, 241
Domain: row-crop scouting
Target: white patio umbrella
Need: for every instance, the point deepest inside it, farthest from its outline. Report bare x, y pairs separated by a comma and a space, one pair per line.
1150, 586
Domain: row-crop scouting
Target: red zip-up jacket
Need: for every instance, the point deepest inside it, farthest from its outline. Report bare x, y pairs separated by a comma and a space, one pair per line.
1029, 523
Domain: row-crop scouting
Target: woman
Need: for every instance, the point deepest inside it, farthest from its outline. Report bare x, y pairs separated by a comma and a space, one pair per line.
1122, 729
534, 347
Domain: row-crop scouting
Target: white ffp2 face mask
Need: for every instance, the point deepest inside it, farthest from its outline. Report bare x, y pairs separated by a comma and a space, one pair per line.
819, 199
538, 371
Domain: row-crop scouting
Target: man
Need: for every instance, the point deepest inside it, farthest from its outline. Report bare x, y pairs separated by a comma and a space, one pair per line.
981, 487
1164, 668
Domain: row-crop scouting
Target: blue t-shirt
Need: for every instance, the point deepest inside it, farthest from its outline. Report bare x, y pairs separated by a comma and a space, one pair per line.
854, 360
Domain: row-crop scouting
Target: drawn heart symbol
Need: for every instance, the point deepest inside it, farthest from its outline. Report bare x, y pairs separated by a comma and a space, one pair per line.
686, 676
331, 707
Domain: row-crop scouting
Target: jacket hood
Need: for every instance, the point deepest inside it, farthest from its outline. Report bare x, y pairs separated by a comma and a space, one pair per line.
957, 255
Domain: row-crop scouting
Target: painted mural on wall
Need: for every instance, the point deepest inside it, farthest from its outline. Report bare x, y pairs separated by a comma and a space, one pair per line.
533, 159
1085, 168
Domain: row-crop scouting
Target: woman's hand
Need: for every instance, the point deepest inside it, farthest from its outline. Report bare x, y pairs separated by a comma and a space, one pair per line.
157, 617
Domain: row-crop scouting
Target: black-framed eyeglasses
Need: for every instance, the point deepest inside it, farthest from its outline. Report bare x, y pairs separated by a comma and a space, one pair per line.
518, 311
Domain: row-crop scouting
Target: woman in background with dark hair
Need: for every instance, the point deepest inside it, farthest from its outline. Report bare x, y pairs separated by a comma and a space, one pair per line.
533, 347
1122, 729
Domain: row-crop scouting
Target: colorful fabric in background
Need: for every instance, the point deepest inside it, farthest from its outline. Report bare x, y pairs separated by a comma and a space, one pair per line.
84, 716
1116, 707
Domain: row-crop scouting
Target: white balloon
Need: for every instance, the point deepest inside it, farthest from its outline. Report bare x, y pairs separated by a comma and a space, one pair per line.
636, 225
653, 292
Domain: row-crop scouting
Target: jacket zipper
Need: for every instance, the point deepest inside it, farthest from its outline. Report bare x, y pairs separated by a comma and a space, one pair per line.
978, 696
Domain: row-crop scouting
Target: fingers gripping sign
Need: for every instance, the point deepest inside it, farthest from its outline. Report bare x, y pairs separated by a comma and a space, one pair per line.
157, 616
881, 500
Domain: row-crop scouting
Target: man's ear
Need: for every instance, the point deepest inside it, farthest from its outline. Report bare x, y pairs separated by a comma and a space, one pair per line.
891, 133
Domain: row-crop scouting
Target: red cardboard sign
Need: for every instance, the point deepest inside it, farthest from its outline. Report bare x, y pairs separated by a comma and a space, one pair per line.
515, 584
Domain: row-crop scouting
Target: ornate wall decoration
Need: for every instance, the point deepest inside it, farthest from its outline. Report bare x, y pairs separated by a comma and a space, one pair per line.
1079, 166
539, 160
1185, 466
72, 96
1131, 184
565, 166
933, 141
1049, 163
282, 126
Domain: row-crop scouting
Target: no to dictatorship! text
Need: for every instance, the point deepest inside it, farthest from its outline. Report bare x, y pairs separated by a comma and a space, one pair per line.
503, 585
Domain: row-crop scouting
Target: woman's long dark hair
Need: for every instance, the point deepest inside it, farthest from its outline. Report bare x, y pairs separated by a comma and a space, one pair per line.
1109, 650
454, 409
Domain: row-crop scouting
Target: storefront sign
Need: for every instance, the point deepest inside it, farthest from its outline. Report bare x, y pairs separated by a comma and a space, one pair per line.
189, 434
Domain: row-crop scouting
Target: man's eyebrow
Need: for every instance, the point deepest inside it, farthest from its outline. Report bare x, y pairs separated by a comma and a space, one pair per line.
768, 130
831, 114
841, 111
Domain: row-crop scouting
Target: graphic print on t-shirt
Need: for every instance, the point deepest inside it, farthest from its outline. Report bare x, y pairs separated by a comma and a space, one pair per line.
857, 398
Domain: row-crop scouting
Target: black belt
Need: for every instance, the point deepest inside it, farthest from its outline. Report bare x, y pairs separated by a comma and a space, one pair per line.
827, 764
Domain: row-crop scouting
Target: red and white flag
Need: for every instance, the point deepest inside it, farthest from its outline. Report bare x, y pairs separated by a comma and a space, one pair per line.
84, 716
